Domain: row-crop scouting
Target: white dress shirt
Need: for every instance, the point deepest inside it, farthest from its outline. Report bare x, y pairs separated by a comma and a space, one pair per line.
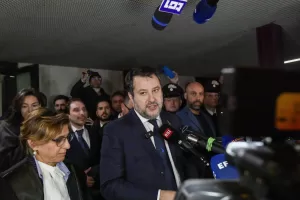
85, 134
149, 127
55, 186
210, 111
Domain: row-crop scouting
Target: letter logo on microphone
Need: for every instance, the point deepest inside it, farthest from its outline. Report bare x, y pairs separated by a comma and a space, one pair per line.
172, 6
168, 133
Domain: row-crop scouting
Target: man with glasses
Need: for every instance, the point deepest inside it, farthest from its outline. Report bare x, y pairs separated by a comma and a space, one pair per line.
90, 94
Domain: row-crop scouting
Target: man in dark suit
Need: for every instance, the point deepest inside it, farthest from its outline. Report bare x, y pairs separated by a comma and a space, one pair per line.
134, 166
85, 146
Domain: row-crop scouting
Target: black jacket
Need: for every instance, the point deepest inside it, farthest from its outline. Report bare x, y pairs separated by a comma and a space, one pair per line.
11, 151
88, 96
25, 182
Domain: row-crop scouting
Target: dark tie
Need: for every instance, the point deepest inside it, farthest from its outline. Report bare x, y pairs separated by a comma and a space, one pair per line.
82, 142
162, 151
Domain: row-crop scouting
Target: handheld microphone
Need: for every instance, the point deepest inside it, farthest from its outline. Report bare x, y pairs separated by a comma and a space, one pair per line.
160, 20
170, 134
204, 11
168, 72
221, 169
206, 144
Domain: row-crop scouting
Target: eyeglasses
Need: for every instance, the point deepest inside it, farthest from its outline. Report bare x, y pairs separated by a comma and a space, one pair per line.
60, 141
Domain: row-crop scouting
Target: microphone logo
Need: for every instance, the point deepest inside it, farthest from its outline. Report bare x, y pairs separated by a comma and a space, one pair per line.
172, 6
168, 133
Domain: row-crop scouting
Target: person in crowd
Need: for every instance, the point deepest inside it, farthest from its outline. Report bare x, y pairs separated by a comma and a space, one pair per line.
172, 97
23, 103
211, 101
104, 116
126, 106
191, 115
60, 104
43, 174
134, 164
44, 99
85, 146
117, 98
91, 93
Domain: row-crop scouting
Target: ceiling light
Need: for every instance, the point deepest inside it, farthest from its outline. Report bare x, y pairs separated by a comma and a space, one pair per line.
291, 61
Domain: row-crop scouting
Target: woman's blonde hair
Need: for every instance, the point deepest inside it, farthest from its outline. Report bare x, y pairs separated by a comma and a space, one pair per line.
41, 126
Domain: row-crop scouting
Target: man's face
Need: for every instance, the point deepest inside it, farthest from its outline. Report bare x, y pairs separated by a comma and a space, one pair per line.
96, 81
60, 106
194, 96
116, 102
211, 99
147, 99
172, 104
78, 113
103, 111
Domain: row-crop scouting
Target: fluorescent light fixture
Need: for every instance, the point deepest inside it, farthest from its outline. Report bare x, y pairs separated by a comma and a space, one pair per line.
291, 61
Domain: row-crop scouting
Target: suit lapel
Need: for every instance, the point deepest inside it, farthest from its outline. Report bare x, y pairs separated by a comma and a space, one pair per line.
139, 129
194, 119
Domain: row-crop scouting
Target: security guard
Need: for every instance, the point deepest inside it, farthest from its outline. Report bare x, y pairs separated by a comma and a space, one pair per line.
173, 94
211, 100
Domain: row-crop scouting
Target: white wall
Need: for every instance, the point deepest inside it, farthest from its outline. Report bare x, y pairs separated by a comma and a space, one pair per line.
56, 80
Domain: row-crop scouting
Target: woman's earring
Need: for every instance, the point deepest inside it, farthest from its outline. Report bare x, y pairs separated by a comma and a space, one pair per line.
34, 152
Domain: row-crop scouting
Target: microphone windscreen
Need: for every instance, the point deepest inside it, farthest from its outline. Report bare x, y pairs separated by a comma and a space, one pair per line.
221, 169
160, 20
169, 133
203, 12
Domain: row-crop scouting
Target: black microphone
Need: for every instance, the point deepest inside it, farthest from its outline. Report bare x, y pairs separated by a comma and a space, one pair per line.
170, 134
214, 147
148, 134
160, 20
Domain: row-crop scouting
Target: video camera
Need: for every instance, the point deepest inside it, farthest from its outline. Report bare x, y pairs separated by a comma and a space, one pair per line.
258, 103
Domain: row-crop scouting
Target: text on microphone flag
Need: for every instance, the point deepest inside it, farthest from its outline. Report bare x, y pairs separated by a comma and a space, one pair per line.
172, 6
168, 133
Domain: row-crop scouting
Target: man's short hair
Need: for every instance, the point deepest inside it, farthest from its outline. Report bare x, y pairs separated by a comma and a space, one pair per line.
118, 93
59, 97
103, 99
141, 71
72, 100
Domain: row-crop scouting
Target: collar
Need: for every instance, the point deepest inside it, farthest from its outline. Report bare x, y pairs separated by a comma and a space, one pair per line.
60, 165
143, 119
120, 115
211, 111
74, 129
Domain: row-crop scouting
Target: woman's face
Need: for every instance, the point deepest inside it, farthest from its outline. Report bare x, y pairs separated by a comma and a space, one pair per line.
55, 150
30, 103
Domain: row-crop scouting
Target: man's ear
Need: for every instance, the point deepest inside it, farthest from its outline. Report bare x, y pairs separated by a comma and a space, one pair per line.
185, 96
130, 96
180, 102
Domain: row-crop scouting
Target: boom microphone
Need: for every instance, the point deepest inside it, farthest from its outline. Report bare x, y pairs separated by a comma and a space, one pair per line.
160, 20
206, 144
204, 11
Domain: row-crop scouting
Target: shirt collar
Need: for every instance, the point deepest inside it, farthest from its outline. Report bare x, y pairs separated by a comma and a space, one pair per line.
143, 119
210, 110
74, 129
60, 165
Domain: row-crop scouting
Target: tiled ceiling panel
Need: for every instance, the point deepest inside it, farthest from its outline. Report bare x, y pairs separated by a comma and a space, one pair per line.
118, 33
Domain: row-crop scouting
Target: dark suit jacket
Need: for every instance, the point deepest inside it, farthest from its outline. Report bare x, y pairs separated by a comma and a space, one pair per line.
25, 183
188, 119
130, 167
88, 96
77, 157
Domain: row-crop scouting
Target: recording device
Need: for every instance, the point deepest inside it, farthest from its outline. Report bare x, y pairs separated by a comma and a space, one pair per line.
204, 11
160, 20
170, 134
168, 72
260, 102
209, 146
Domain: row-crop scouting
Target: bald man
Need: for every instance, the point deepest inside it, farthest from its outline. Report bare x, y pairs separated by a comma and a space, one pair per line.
191, 115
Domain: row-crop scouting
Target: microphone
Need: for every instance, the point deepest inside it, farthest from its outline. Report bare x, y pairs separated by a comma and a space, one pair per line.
221, 169
168, 72
208, 144
148, 134
160, 20
204, 11
170, 134
226, 139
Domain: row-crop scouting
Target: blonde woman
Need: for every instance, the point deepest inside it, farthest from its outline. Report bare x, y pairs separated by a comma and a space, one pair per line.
44, 175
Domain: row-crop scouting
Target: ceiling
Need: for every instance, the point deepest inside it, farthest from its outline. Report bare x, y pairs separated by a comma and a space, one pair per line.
117, 34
